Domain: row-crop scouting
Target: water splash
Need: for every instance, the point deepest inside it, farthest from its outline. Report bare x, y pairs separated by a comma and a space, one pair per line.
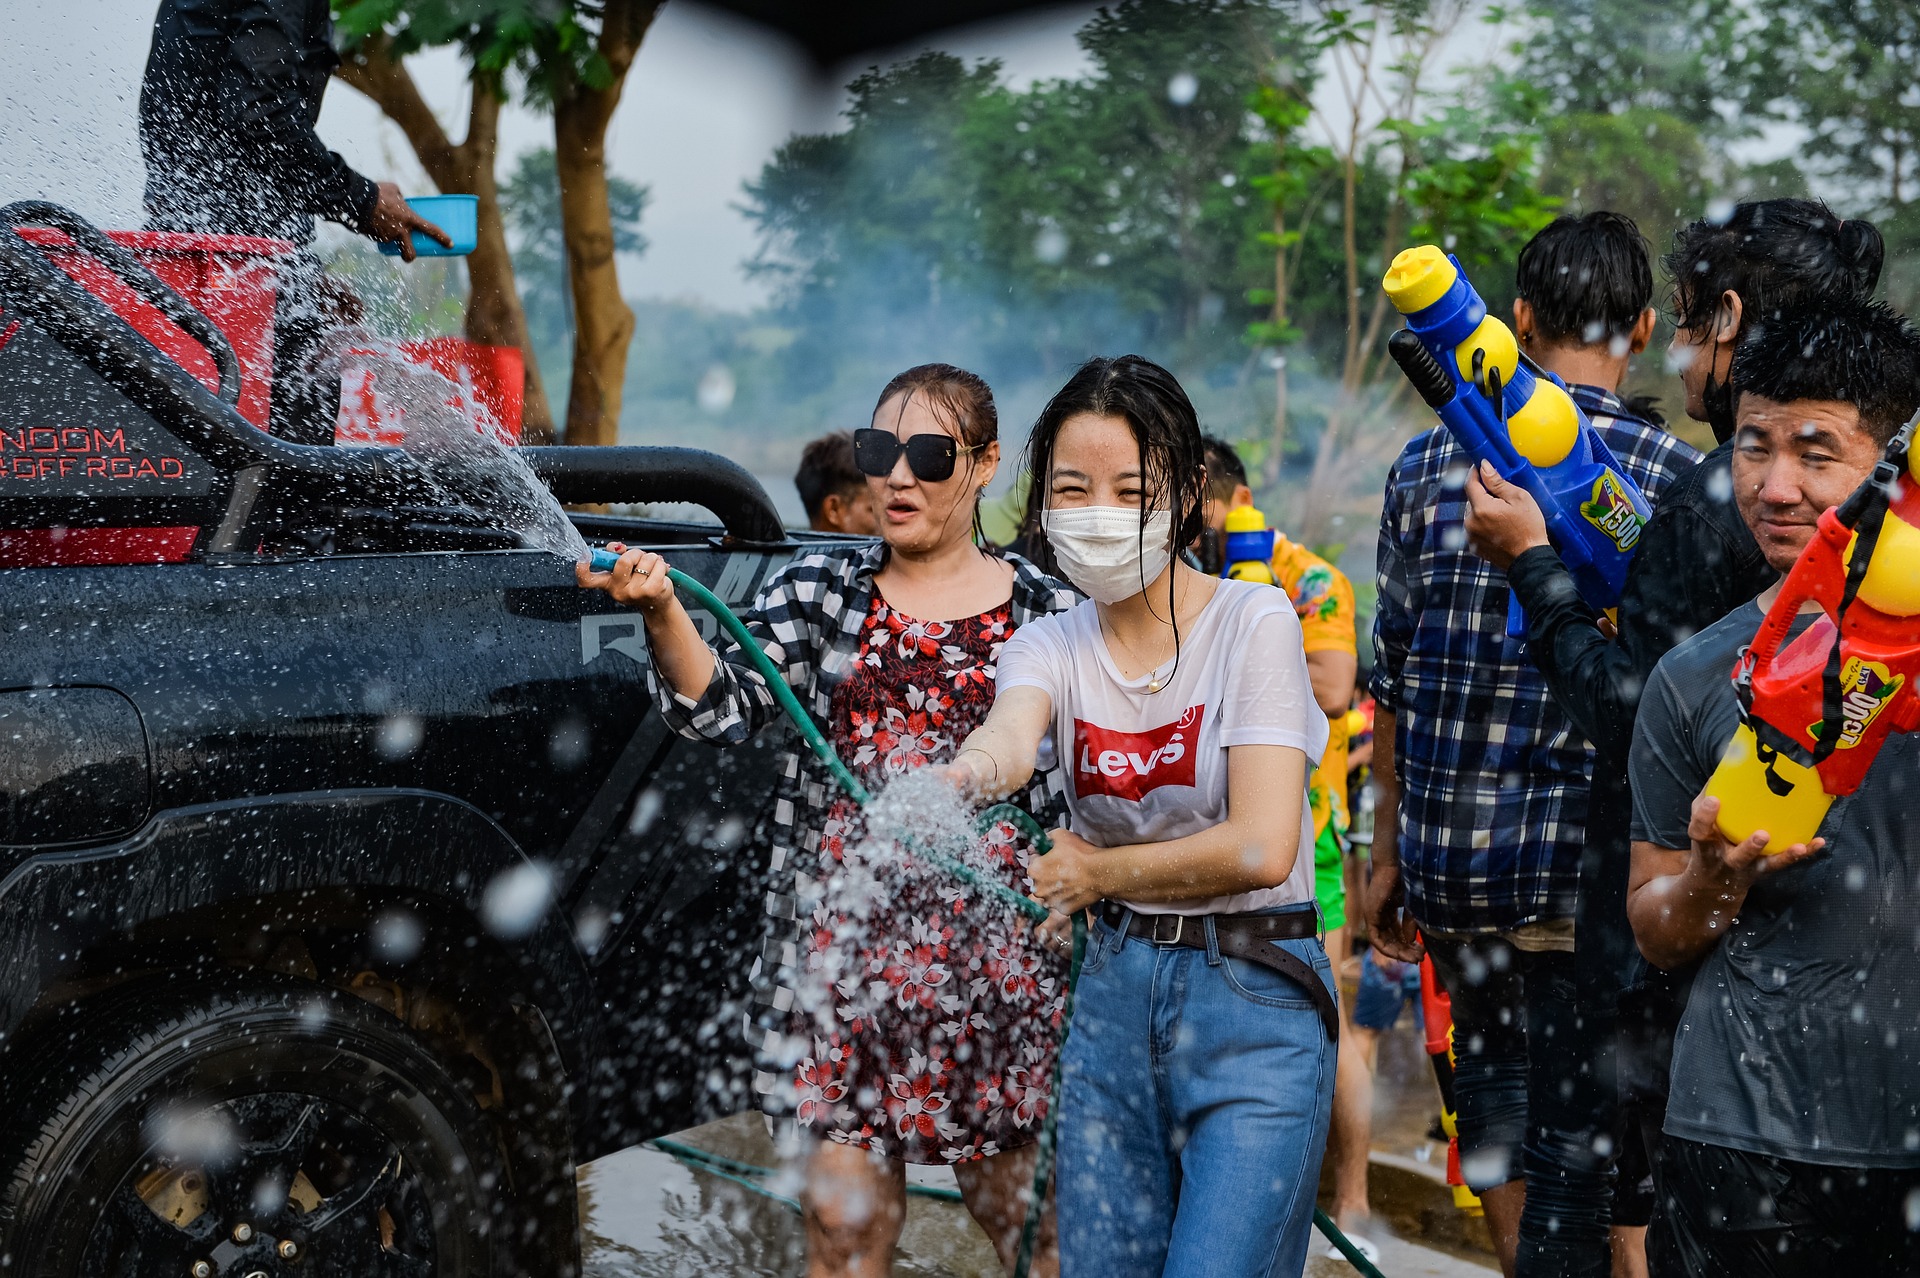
459, 446
859, 899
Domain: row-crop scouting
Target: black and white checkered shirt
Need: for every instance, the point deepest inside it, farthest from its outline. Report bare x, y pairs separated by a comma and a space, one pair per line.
808, 619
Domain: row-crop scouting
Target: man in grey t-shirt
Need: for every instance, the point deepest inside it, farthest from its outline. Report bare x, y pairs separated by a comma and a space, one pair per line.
1793, 1131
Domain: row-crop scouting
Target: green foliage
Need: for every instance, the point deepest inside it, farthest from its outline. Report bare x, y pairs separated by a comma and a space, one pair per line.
497, 36
1472, 180
1298, 173
1698, 61
1849, 81
1645, 162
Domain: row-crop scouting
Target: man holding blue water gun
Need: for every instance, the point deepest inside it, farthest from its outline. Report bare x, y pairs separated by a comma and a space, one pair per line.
1482, 779
1697, 561
227, 111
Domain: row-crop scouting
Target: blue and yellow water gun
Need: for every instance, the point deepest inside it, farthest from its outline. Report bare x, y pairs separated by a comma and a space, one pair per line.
1504, 409
1249, 546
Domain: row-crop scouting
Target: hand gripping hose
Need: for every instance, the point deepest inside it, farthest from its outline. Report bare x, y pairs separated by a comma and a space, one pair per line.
742, 1173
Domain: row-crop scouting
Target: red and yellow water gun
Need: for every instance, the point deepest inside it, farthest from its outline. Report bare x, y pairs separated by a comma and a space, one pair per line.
1436, 1014
1816, 710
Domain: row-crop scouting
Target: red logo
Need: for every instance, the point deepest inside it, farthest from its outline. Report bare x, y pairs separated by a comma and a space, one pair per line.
1128, 764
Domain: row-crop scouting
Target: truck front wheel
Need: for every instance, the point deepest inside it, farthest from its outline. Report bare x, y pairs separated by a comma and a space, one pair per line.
264, 1127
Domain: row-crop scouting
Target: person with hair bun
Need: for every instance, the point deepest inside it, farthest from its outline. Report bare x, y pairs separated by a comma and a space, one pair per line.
1769, 258
1696, 562
892, 647
1198, 1071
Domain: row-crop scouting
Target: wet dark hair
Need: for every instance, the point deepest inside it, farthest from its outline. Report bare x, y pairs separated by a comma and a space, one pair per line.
826, 468
1149, 399
1588, 278
1225, 470
1780, 256
1854, 352
963, 402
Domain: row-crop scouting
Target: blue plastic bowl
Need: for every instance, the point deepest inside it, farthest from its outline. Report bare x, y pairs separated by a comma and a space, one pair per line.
457, 215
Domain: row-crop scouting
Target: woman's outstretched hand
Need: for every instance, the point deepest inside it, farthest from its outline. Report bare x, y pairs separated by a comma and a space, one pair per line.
638, 579
1064, 879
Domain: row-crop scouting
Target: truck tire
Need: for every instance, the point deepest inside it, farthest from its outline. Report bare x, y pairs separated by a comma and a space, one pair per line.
253, 1127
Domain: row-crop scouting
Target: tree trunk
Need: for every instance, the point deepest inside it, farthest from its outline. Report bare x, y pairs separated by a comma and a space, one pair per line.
494, 314
602, 323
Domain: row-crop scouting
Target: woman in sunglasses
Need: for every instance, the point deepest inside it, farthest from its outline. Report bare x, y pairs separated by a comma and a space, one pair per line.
937, 1044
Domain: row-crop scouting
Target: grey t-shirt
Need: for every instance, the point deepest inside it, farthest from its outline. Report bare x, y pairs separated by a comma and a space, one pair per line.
1802, 1036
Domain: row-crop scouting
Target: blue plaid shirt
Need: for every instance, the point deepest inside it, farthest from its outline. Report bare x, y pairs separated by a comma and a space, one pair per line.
1493, 777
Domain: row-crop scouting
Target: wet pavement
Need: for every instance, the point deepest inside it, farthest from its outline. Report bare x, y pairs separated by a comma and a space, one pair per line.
649, 1216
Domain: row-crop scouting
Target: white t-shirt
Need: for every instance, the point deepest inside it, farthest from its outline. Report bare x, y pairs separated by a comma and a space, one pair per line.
1146, 767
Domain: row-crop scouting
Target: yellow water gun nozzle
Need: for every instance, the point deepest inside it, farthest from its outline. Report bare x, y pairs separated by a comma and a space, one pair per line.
1246, 519
1418, 278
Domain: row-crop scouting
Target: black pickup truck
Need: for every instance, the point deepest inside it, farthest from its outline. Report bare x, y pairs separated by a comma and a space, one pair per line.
350, 891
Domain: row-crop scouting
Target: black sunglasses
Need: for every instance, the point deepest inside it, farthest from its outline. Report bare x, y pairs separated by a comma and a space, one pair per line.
929, 456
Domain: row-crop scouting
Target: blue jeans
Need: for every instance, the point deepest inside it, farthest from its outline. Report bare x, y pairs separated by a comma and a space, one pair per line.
1196, 1099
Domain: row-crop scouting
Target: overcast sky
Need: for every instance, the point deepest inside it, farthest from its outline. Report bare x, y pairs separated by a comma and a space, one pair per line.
708, 100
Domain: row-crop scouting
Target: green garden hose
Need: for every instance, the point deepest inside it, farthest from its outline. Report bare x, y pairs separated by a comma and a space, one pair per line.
803, 723
810, 733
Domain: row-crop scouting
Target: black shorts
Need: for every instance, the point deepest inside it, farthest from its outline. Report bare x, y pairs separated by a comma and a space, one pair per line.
1725, 1213
1645, 1056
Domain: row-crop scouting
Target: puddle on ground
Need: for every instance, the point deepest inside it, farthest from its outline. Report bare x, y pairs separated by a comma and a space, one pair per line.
648, 1216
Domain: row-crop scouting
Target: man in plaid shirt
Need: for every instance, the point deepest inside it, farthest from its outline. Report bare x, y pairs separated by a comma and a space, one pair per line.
1484, 780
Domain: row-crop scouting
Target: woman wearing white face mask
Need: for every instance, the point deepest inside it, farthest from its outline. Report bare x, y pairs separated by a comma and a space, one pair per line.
1199, 1067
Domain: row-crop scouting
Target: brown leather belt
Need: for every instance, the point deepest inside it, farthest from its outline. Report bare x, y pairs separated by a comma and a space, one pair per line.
1244, 936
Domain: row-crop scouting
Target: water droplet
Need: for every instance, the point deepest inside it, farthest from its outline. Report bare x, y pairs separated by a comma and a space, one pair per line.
1050, 245
716, 390
399, 736
516, 898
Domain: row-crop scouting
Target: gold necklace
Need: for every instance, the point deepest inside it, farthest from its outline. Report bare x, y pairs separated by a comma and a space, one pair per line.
1154, 681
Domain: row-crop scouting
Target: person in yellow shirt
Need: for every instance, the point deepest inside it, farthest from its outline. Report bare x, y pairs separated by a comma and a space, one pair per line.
1323, 599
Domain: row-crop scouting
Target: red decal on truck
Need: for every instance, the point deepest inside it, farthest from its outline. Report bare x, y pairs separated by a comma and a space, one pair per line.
48, 452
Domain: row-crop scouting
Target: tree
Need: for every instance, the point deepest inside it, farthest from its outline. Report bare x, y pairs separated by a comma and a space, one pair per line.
1401, 163
1190, 188
1849, 83
1170, 89
1696, 61
573, 56
380, 35
1292, 187
1638, 100
530, 204
581, 60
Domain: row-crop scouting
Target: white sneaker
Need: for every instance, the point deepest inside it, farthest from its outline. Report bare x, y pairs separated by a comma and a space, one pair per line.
1362, 1244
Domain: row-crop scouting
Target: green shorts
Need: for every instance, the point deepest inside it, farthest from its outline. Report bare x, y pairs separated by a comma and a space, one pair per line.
1329, 879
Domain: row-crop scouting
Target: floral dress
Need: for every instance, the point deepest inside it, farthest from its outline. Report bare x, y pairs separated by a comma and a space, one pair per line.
810, 618
937, 1039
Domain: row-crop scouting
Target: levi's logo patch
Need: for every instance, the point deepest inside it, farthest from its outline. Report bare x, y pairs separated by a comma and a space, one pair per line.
1126, 765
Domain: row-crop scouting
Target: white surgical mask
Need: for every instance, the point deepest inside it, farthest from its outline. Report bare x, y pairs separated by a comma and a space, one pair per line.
1105, 552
